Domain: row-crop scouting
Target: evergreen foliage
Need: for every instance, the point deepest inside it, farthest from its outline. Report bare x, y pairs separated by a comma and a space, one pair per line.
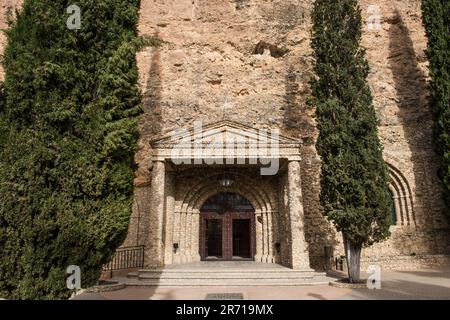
436, 18
354, 179
68, 131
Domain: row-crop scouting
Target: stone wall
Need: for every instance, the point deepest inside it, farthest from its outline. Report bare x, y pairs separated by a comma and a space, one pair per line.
250, 61
398, 80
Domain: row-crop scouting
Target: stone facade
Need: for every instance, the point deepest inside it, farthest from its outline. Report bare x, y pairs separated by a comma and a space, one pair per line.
247, 63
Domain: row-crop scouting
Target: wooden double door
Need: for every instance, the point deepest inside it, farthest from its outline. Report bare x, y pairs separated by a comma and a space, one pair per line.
227, 236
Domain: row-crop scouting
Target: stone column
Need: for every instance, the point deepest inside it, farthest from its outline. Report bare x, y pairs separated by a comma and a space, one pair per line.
170, 212
276, 236
195, 232
155, 258
188, 231
183, 236
176, 236
265, 237
270, 248
259, 237
299, 256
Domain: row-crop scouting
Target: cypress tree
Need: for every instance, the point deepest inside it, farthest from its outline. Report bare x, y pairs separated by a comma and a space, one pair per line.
354, 179
68, 130
436, 18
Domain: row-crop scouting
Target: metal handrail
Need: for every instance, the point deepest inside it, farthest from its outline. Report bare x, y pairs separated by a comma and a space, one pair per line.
126, 258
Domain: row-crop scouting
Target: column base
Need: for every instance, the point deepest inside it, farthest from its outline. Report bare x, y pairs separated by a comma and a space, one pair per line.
304, 266
258, 258
196, 258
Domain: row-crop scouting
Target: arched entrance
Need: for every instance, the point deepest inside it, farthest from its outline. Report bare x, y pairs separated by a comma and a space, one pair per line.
227, 228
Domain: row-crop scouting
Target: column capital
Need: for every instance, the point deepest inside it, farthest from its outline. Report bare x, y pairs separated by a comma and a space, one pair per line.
158, 165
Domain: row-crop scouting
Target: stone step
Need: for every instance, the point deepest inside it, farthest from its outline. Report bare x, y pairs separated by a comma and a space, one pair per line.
225, 274
240, 271
228, 275
225, 282
223, 277
133, 274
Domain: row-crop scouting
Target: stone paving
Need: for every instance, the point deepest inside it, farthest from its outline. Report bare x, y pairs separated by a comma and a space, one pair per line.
417, 284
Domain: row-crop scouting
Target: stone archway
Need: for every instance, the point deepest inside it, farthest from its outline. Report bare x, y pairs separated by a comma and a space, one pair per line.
186, 231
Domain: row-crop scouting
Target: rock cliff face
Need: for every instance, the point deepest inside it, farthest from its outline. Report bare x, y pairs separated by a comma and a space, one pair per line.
247, 61
250, 61
7, 9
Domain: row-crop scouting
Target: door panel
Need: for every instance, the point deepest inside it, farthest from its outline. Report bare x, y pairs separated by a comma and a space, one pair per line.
214, 238
241, 238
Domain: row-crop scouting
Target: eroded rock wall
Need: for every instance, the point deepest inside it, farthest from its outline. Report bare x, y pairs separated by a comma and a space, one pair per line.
250, 61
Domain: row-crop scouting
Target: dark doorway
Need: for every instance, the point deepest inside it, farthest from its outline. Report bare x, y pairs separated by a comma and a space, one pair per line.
214, 238
227, 228
241, 238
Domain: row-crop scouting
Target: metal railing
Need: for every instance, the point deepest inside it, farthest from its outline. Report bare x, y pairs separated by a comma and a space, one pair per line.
126, 258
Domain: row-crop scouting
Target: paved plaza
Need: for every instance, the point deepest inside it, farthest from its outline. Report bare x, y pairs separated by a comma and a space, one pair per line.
417, 284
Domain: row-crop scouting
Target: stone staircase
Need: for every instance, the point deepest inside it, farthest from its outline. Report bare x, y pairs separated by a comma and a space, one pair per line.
240, 274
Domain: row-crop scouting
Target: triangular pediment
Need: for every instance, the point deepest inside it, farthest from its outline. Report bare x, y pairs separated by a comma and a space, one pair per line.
224, 131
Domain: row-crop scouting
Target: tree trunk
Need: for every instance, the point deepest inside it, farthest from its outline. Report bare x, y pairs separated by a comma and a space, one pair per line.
353, 256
